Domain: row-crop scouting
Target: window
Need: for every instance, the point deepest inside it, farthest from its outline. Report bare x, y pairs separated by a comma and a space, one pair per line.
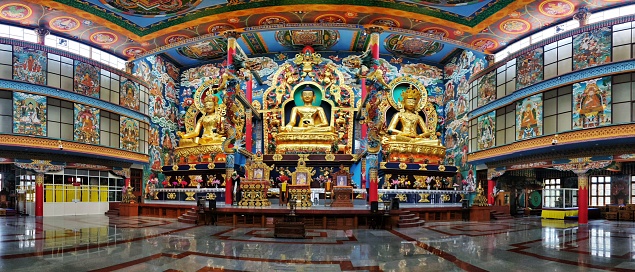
18, 33
60, 72
551, 192
6, 112
82, 50
60, 119
600, 190
109, 129
79, 185
506, 125
557, 110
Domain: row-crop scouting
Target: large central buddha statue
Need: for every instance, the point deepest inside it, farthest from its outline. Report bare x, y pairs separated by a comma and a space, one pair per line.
405, 125
209, 124
308, 130
307, 118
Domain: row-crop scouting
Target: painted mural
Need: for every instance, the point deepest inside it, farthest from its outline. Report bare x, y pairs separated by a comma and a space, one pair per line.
86, 79
129, 134
592, 48
592, 103
529, 68
457, 74
486, 130
129, 94
619, 189
29, 65
86, 124
163, 107
486, 89
529, 117
29, 114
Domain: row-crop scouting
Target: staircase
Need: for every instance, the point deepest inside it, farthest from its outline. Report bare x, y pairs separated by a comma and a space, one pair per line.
112, 212
496, 215
409, 220
190, 217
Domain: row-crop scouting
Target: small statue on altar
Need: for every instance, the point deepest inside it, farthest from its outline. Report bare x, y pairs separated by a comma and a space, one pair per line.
307, 118
409, 121
210, 124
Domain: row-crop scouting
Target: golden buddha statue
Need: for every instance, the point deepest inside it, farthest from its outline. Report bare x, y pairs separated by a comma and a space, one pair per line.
307, 118
210, 123
409, 121
308, 129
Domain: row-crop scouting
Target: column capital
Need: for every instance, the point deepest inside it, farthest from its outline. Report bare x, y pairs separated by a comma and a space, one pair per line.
490, 59
129, 67
373, 29
231, 34
582, 15
41, 34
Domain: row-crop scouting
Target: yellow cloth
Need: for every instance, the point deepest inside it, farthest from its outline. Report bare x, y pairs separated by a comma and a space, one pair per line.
558, 214
284, 187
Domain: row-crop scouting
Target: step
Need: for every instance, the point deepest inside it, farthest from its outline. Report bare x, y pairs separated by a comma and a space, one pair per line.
407, 216
409, 220
411, 225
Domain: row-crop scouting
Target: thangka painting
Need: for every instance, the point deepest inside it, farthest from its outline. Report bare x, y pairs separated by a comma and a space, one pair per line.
486, 130
129, 96
29, 65
86, 79
487, 89
592, 103
529, 117
129, 133
529, 68
619, 189
592, 48
86, 124
29, 114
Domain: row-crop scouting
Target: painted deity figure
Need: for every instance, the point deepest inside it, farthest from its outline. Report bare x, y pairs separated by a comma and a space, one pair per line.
591, 102
209, 124
405, 124
307, 118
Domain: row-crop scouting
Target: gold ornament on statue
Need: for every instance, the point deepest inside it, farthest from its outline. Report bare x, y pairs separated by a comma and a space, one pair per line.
409, 121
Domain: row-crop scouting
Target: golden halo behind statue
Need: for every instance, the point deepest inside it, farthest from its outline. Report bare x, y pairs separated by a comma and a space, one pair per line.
401, 84
205, 90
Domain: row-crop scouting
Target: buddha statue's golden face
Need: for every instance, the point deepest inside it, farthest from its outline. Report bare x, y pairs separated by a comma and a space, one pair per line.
410, 104
307, 97
210, 106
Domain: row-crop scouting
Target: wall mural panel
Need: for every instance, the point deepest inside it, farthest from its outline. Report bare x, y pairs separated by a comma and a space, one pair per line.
592, 48
486, 130
29, 114
529, 68
129, 134
86, 79
129, 94
86, 124
487, 89
457, 73
163, 108
29, 65
529, 117
592, 103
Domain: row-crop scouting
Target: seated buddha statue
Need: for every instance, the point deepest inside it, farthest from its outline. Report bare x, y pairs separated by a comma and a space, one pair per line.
404, 125
307, 118
308, 129
209, 123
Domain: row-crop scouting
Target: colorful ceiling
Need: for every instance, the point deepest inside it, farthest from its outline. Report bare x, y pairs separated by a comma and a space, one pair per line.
189, 31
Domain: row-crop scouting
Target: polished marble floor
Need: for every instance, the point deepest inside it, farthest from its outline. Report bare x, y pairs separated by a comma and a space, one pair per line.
99, 243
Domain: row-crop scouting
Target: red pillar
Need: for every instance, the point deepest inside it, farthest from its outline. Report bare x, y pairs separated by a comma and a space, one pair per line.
373, 190
583, 198
229, 186
490, 190
39, 194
